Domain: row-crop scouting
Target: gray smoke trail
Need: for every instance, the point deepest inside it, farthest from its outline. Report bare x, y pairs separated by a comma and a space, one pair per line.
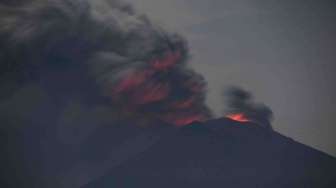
240, 101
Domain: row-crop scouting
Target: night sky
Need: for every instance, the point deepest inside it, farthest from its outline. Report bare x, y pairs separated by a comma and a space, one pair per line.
284, 52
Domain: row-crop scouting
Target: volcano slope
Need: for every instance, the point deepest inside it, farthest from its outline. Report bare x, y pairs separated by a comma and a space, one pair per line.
222, 153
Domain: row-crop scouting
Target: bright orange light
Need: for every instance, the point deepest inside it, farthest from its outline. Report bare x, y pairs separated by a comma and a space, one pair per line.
238, 117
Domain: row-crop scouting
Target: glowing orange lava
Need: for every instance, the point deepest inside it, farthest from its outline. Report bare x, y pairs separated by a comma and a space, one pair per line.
238, 117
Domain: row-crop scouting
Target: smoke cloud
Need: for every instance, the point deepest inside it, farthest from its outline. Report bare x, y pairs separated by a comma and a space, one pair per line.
241, 102
139, 67
72, 71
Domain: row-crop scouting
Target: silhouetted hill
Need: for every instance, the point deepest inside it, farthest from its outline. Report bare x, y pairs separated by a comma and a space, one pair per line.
222, 153
217, 153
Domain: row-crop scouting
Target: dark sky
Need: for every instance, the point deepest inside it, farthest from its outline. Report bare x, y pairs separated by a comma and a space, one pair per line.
283, 51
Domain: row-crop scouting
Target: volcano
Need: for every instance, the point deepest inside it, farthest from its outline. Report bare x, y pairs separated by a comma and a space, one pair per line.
95, 95
222, 153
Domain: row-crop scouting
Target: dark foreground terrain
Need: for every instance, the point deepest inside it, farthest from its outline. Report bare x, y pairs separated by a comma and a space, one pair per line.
223, 153
217, 153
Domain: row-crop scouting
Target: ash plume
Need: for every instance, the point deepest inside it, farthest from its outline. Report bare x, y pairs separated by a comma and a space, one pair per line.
138, 67
70, 69
240, 101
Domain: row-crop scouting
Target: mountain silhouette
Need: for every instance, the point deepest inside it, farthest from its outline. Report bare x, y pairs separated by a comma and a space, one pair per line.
221, 153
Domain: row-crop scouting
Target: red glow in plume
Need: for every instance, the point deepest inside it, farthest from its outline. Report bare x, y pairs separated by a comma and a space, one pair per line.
238, 117
169, 60
160, 64
131, 81
151, 92
188, 120
141, 88
183, 120
184, 104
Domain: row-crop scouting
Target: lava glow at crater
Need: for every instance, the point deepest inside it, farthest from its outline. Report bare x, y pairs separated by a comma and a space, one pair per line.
238, 117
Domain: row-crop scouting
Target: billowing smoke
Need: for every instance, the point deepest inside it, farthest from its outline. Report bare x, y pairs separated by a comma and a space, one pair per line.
141, 69
241, 107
